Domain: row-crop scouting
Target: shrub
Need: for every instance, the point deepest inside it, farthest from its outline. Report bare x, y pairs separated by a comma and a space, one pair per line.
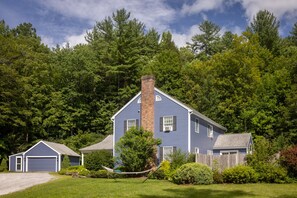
178, 158
65, 162
95, 160
3, 165
74, 170
193, 173
217, 177
137, 149
163, 172
99, 174
288, 160
63, 171
239, 175
270, 173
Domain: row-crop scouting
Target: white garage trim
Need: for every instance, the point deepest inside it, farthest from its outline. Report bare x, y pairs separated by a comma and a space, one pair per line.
16, 163
41, 157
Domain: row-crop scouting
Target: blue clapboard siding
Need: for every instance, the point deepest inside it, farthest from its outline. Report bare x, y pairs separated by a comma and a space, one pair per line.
42, 164
12, 161
178, 138
201, 140
41, 150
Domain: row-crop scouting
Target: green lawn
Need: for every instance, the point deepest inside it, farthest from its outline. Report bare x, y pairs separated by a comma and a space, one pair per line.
86, 187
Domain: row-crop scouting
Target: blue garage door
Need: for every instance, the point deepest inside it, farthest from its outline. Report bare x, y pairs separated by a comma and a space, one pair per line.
42, 164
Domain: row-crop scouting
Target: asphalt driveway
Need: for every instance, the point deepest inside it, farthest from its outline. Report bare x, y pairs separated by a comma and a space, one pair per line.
12, 182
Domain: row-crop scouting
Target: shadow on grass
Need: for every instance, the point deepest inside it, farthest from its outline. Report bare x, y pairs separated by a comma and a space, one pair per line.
192, 192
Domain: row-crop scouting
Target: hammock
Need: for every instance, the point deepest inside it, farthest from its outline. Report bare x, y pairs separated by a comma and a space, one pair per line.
126, 173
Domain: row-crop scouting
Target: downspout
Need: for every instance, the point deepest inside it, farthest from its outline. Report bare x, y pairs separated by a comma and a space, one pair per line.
189, 131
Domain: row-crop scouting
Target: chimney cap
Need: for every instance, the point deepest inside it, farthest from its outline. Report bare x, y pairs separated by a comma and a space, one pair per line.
148, 77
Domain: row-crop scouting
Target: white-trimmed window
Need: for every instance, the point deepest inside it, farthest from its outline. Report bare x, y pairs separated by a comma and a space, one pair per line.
18, 163
228, 152
158, 98
197, 125
209, 152
210, 131
167, 152
196, 150
168, 123
131, 123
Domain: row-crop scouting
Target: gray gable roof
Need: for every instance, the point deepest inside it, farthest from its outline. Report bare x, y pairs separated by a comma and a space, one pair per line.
61, 148
229, 141
106, 144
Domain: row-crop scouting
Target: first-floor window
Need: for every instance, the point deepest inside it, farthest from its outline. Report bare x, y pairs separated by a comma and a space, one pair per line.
167, 152
18, 163
210, 131
228, 152
196, 150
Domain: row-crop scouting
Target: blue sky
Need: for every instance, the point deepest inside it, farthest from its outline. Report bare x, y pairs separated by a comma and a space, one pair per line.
62, 21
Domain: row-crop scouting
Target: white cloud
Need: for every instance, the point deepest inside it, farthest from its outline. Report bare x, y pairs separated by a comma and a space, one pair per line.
151, 12
280, 8
49, 41
181, 39
202, 5
234, 29
75, 39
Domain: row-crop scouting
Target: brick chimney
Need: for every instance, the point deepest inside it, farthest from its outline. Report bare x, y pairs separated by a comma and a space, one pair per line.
147, 102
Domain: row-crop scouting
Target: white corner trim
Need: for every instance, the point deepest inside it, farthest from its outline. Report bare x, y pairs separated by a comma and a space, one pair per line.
56, 168
9, 160
113, 142
189, 130
113, 117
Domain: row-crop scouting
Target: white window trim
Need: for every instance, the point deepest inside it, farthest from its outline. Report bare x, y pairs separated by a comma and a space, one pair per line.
209, 131
128, 124
158, 98
164, 122
197, 125
229, 151
197, 150
164, 152
16, 163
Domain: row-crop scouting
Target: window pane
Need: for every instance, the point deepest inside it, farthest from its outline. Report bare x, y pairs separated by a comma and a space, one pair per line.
167, 151
167, 123
210, 131
130, 124
197, 125
18, 160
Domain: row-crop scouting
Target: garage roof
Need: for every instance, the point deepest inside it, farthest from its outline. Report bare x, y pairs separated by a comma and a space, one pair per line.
106, 144
61, 148
229, 141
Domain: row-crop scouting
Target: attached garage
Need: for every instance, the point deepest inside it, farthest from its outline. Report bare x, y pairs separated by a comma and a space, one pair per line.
43, 156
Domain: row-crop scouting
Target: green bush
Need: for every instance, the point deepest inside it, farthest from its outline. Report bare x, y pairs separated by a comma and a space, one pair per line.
240, 175
193, 173
289, 160
163, 172
95, 160
270, 173
178, 158
99, 174
74, 170
217, 177
65, 162
3, 165
63, 171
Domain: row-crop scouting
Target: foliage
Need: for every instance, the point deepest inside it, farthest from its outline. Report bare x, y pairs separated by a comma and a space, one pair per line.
75, 170
137, 149
217, 175
95, 160
289, 160
193, 173
240, 175
65, 162
164, 172
271, 173
99, 174
3, 165
178, 158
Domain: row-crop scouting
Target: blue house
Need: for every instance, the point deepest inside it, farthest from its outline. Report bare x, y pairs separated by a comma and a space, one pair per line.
43, 156
176, 124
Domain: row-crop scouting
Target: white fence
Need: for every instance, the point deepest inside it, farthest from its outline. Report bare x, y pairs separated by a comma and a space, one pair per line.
221, 162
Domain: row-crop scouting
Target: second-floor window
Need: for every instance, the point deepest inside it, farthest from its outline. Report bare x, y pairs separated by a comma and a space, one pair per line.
168, 123
128, 124
210, 131
197, 125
